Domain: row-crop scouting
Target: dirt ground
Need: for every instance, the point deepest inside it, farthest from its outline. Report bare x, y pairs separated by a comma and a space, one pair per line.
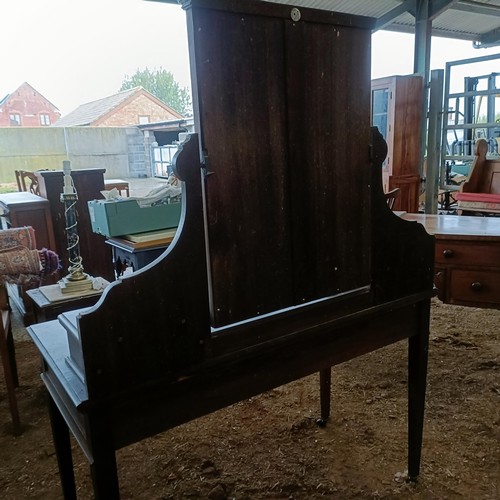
269, 447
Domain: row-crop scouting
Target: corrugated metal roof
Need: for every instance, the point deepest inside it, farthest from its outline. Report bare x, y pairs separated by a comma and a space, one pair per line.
474, 20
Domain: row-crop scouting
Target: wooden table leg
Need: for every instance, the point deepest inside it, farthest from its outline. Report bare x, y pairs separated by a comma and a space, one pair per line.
418, 346
62, 444
325, 382
103, 467
8, 359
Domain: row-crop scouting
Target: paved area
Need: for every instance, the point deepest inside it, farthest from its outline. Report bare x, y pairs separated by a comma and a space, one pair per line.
140, 187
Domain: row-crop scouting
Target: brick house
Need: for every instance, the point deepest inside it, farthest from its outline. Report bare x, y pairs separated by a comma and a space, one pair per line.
26, 107
135, 106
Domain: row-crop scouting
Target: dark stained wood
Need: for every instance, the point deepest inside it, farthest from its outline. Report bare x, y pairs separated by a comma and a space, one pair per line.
328, 178
88, 183
287, 259
8, 359
248, 173
298, 154
163, 321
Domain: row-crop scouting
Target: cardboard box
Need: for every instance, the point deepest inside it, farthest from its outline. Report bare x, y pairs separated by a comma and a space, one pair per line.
119, 217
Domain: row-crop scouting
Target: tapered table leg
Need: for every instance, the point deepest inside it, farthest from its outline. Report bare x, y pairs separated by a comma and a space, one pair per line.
62, 444
103, 466
417, 380
325, 382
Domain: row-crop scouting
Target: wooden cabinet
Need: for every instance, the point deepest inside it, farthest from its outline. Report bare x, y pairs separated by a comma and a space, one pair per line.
467, 258
88, 183
396, 110
27, 209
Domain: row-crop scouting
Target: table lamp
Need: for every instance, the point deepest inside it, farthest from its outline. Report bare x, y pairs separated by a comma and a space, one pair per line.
77, 280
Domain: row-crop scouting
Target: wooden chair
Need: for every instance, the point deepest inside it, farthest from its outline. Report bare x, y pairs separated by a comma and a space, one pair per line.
480, 194
8, 357
391, 197
27, 181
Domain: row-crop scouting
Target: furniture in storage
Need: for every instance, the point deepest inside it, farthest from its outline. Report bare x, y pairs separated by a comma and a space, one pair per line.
46, 310
88, 183
8, 358
134, 255
27, 181
16, 261
28, 209
467, 258
480, 194
118, 184
21, 265
287, 259
397, 112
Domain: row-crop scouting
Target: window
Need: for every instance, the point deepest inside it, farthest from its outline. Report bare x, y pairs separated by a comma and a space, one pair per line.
143, 119
44, 119
15, 120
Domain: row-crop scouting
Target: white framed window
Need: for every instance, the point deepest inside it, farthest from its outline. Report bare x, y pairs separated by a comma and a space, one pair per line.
15, 120
44, 119
143, 119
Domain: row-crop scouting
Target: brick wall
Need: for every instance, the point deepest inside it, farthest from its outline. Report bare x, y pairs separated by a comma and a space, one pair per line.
129, 113
33, 109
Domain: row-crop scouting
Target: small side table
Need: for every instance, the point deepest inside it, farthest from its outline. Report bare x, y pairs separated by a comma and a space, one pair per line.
134, 255
45, 310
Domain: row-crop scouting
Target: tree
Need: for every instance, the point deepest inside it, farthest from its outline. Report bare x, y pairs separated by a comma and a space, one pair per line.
161, 83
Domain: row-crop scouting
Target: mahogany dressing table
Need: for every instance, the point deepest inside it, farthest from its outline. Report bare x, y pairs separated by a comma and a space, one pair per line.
287, 259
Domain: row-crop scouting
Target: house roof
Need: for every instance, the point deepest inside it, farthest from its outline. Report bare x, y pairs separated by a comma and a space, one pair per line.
90, 112
475, 20
26, 84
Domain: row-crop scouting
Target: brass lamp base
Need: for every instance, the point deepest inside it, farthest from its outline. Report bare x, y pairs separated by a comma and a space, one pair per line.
83, 284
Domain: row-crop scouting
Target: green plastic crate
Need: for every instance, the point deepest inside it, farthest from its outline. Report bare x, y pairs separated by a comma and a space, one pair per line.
119, 217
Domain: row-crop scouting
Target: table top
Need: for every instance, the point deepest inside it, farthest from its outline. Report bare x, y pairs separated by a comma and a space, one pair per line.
41, 300
458, 226
20, 197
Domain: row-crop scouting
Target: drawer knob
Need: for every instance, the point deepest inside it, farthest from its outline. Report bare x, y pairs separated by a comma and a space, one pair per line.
448, 253
476, 285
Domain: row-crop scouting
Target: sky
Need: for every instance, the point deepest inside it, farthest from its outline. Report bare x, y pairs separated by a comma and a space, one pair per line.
76, 52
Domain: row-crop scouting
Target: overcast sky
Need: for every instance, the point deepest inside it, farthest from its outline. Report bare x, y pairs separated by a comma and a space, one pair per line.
75, 52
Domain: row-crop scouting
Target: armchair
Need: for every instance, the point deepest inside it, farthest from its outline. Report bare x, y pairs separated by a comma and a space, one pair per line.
23, 266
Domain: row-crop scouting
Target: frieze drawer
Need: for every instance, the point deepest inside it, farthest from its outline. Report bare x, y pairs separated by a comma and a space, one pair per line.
467, 253
474, 286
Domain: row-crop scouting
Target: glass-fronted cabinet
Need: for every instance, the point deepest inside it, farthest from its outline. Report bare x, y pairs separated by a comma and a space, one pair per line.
396, 110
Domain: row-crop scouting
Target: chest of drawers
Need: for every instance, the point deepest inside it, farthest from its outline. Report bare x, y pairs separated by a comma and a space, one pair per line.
467, 258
